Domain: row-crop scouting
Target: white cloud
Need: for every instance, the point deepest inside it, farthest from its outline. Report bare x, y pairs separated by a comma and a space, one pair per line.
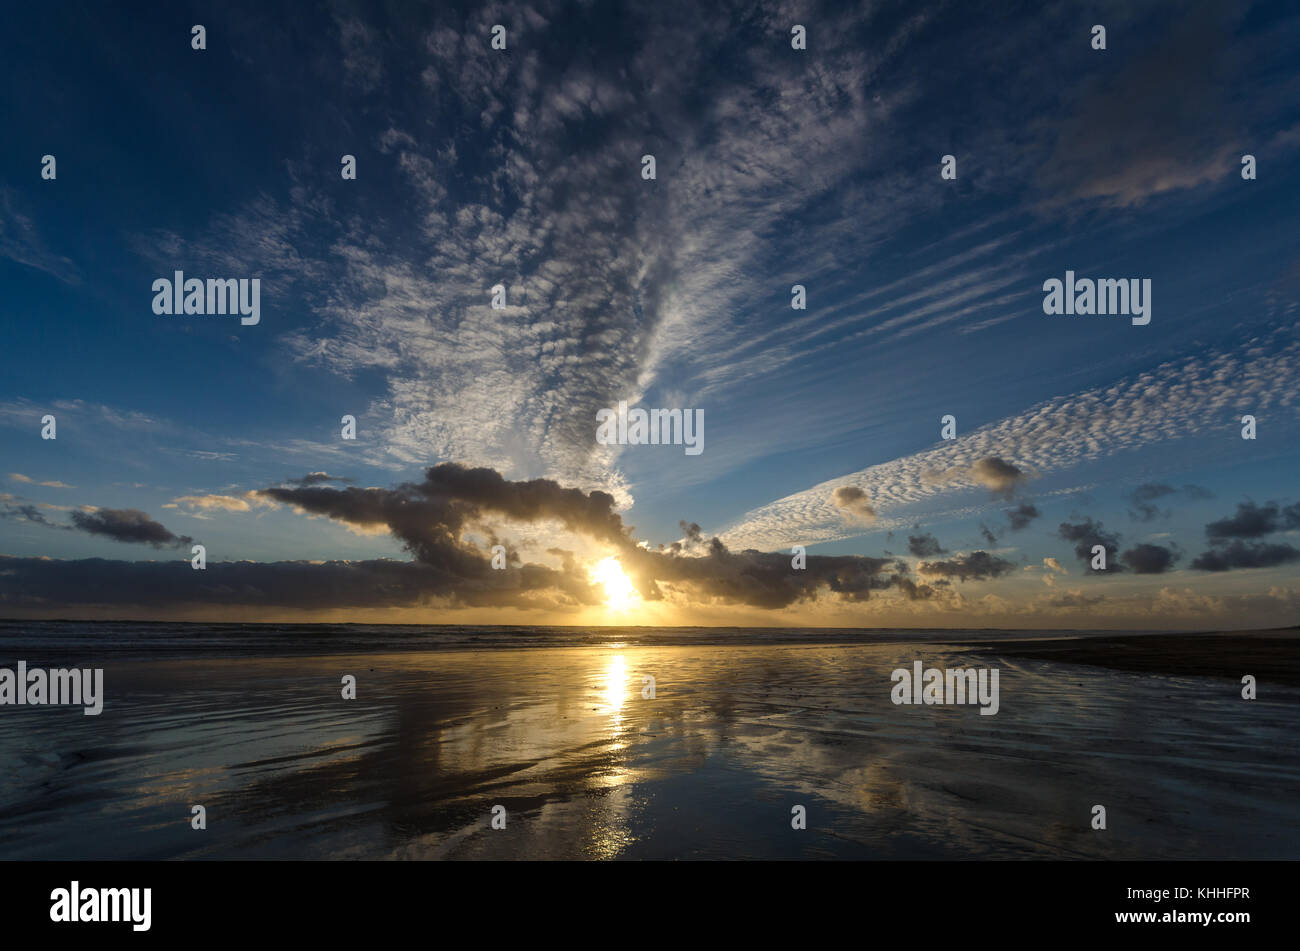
1175, 400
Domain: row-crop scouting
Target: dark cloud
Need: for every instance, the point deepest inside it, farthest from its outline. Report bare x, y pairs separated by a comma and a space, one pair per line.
1158, 122
1022, 515
1234, 538
438, 520
316, 478
1144, 497
1254, 521
1085, 535
977, 566
1147, 559
997, 475
291, 585
25, 512
1239, 554
430, 517
853, 500
917, 592
988, 534
128, 525
763, 579
758, 579
924, 546
121, 525
692, 537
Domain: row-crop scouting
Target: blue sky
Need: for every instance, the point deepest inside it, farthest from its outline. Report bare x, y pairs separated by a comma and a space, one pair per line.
775, 167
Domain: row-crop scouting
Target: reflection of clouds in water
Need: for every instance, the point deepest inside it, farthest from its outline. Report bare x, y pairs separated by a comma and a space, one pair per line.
603, 826
944, 779
561, 749
543, 719
587, 767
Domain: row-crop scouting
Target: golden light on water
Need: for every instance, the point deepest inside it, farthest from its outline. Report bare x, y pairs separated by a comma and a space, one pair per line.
619, 589
616, 684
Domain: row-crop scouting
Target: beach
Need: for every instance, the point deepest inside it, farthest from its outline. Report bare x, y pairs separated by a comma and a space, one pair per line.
741, 729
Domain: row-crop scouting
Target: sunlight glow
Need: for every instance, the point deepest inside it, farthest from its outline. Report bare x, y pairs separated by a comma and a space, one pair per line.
616, 686
619, 589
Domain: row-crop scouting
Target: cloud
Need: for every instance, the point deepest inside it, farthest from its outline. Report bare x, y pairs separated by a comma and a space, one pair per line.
428, 516
316, 478
1075, 598
749, 578
27, 480
765, 579
924, 546
1158, 123
977, 566
1147, 559
20, 241
1176, 400
1240, 554
997, 475
852, 500
1251, 521
128, 525
1021, 516
21, 511
362, 62
1086, 535
1145, 496
22, 413
434, 518
53, 484
614, 286
289, 585
200, 504
521, 168
1254, 521
692, 535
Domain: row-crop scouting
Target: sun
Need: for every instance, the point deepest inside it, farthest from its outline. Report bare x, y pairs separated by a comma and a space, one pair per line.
619, 589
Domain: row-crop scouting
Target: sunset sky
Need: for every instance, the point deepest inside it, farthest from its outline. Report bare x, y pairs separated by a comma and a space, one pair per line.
775, 166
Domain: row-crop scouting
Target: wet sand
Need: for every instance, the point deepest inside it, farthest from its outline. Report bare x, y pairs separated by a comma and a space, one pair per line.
587, 768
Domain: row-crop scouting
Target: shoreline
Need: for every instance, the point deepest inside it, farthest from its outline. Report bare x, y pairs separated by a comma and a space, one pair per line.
1271, 656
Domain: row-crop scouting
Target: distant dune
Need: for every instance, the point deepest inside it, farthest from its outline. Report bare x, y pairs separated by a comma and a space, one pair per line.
1272, 656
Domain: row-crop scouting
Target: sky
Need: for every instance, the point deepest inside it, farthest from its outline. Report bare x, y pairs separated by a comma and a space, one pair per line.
523, 168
